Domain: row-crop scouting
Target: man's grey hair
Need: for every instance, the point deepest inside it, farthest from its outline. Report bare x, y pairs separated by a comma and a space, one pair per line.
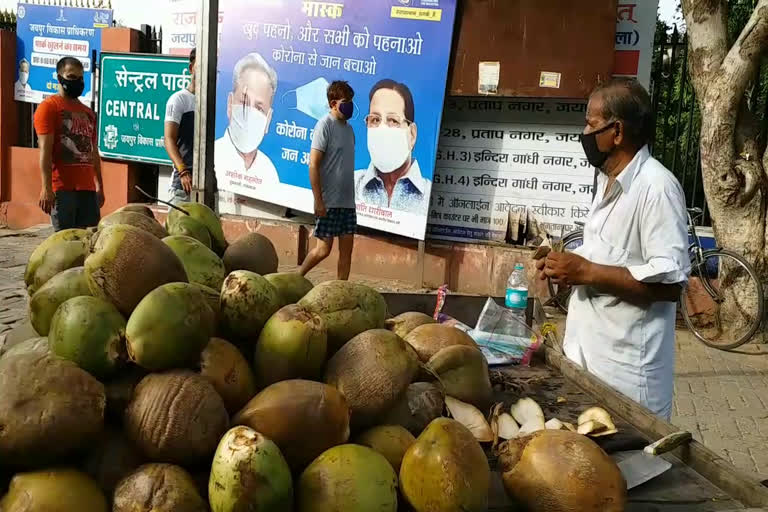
626, 100
254, 61
23, 61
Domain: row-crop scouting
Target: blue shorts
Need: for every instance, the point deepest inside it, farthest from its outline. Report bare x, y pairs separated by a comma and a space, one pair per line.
337, 222
75, 209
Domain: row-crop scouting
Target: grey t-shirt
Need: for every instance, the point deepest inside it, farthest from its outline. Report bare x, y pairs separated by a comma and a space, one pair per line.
337, 171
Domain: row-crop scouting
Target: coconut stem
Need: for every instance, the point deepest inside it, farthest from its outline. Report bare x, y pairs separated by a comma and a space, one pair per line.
185, 212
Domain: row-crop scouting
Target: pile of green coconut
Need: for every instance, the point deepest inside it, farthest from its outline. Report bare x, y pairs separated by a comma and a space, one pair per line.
175, 372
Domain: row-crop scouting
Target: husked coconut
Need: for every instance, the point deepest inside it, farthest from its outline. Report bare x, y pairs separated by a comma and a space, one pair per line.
204, 216
445, 469
349, 477
136, 219
292, 345
126, 263
247, 302
158, 488
463, 373
291, 286
243, 458
49, 408
561, 471
176, 417
392, 441
372, 371
32, 345
421, 403
57, 290
60, 490
62, 250
224, 366
112, 458
347, 309
404, 323
253, 252
429, 339
304, 418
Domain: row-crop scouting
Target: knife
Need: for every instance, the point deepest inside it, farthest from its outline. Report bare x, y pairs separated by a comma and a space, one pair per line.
639, 466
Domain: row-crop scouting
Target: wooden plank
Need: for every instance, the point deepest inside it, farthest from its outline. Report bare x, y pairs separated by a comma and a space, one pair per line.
203, 176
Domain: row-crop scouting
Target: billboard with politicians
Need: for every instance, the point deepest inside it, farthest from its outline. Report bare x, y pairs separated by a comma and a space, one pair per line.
275, 64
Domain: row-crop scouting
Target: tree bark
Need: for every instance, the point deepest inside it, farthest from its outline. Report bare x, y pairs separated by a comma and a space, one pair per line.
732, 160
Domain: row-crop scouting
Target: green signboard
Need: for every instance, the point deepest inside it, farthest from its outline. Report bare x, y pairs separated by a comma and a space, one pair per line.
133, 91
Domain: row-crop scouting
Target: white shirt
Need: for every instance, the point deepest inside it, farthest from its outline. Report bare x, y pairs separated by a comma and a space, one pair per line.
411, 192
227, 159
640, 224
22, 90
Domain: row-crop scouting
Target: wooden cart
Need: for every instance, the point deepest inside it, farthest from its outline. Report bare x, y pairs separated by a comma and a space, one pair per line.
700, 480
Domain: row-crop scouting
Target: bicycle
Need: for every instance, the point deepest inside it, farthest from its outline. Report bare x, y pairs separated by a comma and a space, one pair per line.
712, 315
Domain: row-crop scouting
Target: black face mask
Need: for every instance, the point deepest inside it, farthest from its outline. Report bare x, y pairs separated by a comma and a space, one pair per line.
72, 88
595, 157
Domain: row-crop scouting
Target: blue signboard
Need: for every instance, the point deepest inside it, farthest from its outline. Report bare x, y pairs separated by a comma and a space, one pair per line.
45, 34
275, 64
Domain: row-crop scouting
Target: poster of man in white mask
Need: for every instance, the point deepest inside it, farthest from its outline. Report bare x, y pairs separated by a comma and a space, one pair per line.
22, 90
393, 179
249, 111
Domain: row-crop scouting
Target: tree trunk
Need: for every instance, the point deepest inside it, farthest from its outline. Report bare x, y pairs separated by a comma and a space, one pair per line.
733, 163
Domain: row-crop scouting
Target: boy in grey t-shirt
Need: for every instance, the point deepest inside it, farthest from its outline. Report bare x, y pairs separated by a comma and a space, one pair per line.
332, 175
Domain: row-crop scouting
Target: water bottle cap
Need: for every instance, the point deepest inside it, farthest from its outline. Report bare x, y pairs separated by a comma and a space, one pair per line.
519, 266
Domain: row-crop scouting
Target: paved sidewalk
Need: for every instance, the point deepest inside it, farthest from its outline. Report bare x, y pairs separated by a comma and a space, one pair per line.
722, 398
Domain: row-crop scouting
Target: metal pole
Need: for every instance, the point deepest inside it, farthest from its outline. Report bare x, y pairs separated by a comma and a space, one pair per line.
203, 176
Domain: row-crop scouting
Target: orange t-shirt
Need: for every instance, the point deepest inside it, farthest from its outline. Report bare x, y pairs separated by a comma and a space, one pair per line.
73, 126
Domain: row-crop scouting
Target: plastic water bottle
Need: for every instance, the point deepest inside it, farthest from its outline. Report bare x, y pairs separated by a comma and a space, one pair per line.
517, 295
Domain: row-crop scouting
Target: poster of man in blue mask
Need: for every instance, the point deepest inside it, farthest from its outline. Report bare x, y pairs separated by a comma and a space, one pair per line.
275, 65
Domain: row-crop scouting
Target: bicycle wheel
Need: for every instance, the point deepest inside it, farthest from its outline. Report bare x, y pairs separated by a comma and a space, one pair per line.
561, 294
723, 302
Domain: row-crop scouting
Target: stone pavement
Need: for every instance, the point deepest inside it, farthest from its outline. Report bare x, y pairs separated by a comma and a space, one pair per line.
720, 397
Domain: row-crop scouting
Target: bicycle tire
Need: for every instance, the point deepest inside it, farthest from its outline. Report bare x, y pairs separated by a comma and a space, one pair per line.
556, 299
755, 323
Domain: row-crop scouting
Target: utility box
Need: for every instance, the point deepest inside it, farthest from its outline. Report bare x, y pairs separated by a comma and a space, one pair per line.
532, 48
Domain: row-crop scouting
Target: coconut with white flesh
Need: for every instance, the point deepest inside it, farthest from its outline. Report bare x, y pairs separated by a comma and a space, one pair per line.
554, 424
596, 422
525, 410
471, 417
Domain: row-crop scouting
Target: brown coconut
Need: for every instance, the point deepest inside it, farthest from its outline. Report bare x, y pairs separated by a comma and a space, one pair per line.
429, 339
372, 371
392, 441
404, 323
158, 488
49, 408
561, 471
304, 418
463, 373
421, 403
176, 417
136, 219
119, 391
253, 252
111, 459
224, 366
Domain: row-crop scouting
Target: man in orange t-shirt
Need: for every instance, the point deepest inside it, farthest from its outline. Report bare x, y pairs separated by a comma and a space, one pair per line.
72, 191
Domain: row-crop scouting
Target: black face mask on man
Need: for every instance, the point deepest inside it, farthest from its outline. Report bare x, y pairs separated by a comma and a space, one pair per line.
72, 88
595, 157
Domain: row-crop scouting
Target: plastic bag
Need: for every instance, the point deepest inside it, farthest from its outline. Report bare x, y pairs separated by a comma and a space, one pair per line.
502, 337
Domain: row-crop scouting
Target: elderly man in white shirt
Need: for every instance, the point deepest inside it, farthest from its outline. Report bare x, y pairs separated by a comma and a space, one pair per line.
629, 272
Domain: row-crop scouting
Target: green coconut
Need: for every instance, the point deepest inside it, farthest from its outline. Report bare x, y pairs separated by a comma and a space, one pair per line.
212, 297
158, 488
372, 371
445, 469
62, 250
126, 263
176, 417
404, 323
136, 219
291, 286
60, 490
49, 408
32, 345
247, 302
60, 288
242, 458
201, 264
292, 345
207, 218
392, 441
138, 208
463, 373
89, 332
347, 309
253, 252
369, 482
304, 418
170, 328
184, 225
224, 366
